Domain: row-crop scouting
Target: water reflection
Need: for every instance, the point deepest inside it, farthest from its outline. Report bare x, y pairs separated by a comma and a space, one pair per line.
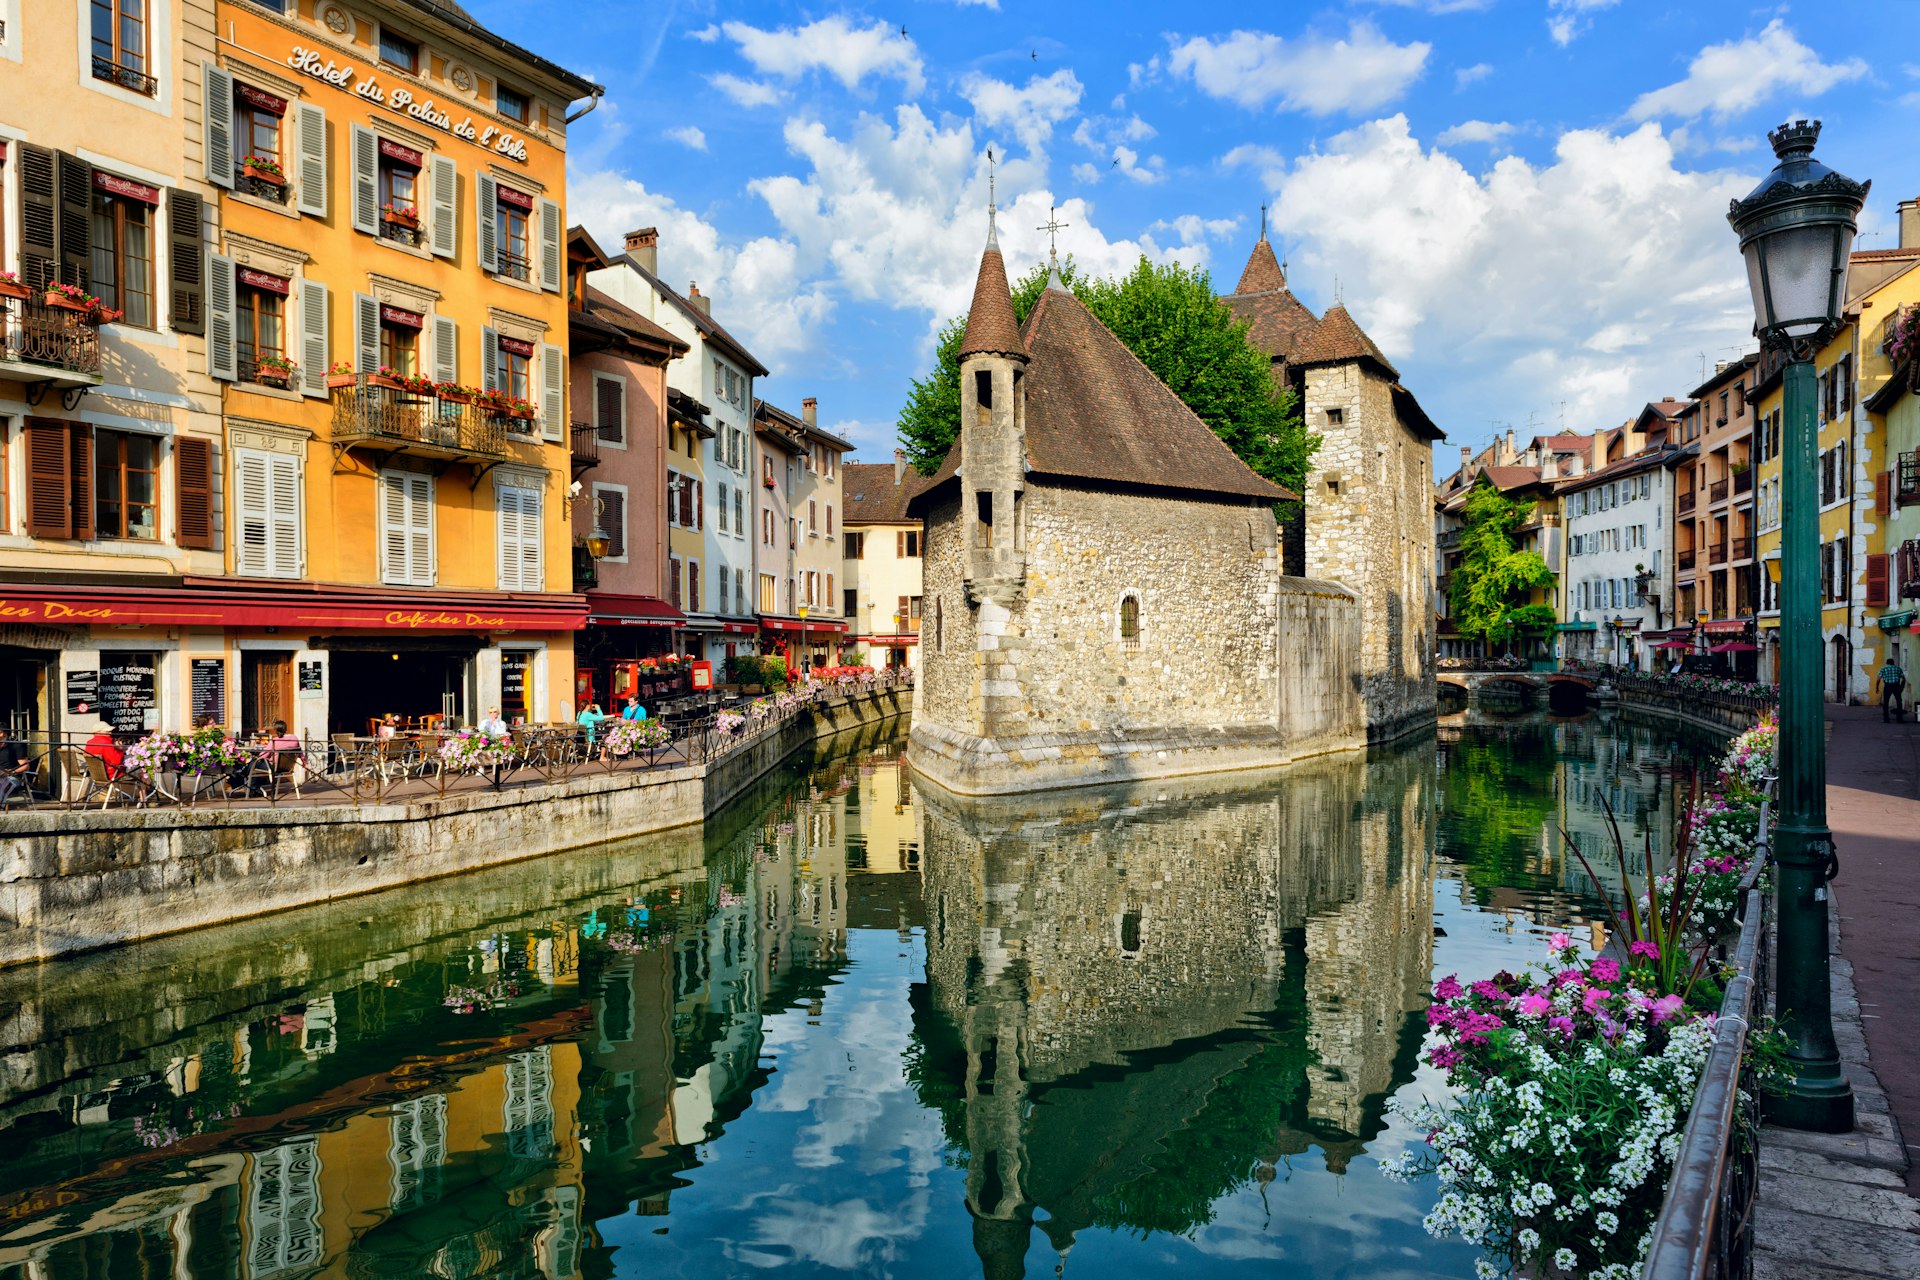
845, 1027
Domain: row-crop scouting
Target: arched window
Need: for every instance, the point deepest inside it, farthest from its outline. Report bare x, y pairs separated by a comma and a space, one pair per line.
1130, 621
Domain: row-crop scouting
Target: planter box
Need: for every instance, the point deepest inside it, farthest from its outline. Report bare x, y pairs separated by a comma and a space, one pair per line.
455, 397
401, 220
273, 378
60, 303
335, 381
10, 290
262, 175
392, 384
522, 415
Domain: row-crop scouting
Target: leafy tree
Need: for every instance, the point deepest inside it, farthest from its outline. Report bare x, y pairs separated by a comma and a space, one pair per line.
1489, 591
1169, 317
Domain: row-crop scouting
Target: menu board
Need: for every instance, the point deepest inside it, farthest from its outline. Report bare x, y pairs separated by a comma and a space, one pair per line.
83, 692
311, 682
209, 684
129, 691
515, 667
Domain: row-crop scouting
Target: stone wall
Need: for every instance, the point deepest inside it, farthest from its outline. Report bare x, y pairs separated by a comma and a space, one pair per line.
1369, 524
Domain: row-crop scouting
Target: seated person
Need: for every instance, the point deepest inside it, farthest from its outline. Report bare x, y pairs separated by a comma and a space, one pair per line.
103, 745
492, 725
15, 766
590, 718
634, 710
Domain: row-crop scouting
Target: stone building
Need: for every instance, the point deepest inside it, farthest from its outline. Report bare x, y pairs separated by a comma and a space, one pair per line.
1368, 519
1103, 595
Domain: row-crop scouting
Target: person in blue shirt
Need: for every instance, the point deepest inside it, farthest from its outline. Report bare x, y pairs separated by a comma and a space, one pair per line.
590, 718
634, 710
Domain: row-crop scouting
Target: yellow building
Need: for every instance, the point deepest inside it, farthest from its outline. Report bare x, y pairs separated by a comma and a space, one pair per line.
1852, 456
882, 577
687, 432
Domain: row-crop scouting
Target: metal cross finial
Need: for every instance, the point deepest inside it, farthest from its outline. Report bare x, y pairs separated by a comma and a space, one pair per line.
1053, 227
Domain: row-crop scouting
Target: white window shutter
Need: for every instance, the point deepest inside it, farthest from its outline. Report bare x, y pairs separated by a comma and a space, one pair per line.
221, 356
366, 180
366, 333
489, 359
486, 209
420, 561
446, 349
287, 558
524, 547
310, 158
443, 226
506, 505
313, 338
253, 504
393, 527
553, 392
552, 269
217, 106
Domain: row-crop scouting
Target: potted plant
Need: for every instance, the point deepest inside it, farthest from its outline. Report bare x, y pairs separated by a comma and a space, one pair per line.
522, 410
274, 371
340, 374
72, 298
454, 393
401, 215
263, 169
767, 481
418, 385
387, 376
10, 286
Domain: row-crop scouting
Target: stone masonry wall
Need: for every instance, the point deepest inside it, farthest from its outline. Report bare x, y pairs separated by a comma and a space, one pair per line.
1370, 525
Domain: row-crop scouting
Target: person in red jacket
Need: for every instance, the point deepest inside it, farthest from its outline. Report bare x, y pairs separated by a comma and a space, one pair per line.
102, 744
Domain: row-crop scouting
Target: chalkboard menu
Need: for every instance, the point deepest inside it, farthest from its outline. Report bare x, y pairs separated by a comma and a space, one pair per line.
83, 692
129, 691
209, 677
312, 683
515, 667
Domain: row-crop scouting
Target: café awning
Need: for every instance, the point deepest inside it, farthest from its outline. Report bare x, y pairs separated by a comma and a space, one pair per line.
213, 603
631, 611
796, 626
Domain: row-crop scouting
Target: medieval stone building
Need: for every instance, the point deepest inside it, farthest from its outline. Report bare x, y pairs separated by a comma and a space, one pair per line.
1103, 586
1368, 519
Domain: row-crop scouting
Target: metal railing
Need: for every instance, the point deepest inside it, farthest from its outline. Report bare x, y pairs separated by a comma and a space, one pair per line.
31, 332
1717, 491
585, 446
1742, 548
1743, 481
367, 410
1686, 501
1717, 553
1683, 559
1705, 1227
126, 77
1907, 488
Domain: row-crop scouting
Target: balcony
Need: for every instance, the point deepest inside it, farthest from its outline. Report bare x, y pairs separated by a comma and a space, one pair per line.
584, 448
1717, 491
1743, 481
1685, 503
1907, 490
45, 346
1717, 553
390, 421
126, 77
1743, 548
1683, 560
1449, 538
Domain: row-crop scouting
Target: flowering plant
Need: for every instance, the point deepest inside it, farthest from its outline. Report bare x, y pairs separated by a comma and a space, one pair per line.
264, 166
208, 751
472, 749
495, 400
415, 383
8, 277
1903, 334
629, 736
401, 212
728, 722
1751, 757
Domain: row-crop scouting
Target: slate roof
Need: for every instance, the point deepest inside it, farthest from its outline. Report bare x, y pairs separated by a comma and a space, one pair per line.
868, 494
991, 328
1096, 413
1335, 339
1275, 318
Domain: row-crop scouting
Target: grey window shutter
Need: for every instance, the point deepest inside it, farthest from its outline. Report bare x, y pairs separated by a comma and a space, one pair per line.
486, 208
551, 267
366, 180
187, 260
39, 216
221, 362
76, 220
366, 333
310, 148
217, 106
446, 349
446, 183
489, 360
313, 338
553, 393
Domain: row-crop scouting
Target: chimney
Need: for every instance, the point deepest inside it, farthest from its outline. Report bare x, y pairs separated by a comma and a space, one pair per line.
644, 247
1910, 224
899, 466
1576, 466
1549, 465
1511, 452
698, 298
810, 411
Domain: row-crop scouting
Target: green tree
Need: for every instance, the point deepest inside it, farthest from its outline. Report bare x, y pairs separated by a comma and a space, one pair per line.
1169, 317
1489, 591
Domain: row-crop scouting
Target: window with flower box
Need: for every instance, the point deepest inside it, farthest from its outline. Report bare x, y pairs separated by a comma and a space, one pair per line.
121, 273
260, 325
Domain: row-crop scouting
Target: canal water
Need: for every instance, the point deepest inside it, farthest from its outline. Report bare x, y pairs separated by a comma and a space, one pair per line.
850, 1028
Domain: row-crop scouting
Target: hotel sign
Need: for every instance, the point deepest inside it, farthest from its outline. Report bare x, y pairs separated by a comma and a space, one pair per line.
401, 99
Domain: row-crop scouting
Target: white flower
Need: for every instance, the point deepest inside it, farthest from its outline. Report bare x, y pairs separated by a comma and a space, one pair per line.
1564, 1259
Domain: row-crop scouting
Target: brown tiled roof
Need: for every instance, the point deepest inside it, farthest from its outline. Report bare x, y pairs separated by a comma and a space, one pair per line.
1262, 272
1336, 339
1505, 478
631, 322
868, 494
1633, 464
1095, 412
1275, 318
991, 328
1876, 255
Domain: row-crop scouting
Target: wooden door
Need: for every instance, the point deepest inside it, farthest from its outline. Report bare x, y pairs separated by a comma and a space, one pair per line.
266, 692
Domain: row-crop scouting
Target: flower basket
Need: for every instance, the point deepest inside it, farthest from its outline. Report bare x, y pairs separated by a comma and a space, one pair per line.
524, 412
382, 380
631, 736
335, 381
60, 302
455, 395
407, 218
768, 482
260, 173
14, 289
273, 377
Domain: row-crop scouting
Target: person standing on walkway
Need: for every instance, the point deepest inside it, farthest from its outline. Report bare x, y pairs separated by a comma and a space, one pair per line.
1893, 689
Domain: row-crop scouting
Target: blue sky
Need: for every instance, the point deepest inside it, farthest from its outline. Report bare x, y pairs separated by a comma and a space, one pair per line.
1523, 201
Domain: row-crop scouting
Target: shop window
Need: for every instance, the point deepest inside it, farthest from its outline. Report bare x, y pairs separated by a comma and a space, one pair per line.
122, 257
513, 104
120, 45
125, 479
397, 50
260, 325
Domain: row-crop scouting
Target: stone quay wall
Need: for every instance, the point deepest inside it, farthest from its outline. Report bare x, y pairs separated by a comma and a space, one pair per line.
77, 881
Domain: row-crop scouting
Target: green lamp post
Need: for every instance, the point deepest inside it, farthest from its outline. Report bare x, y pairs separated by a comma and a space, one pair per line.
1796, 230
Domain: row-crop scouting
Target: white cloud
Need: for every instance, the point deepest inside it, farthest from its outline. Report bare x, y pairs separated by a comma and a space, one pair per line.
1098, 133
748, 93
1086, 175
1593, 280
1128, 162
1441, 6
1726, 79
1139, 73
1472, 75
705, 35
1487, 131
690, 135
1311, 73
1567, 19
1031, 112
833, 45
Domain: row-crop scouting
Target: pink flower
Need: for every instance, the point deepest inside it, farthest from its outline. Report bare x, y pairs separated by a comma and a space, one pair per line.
1486, 990
1533, 1005
1559, 942
1605, 970
1563, 1025
1445, 1059
1666, 1008
1448, 988
1440, 1015
1648, 950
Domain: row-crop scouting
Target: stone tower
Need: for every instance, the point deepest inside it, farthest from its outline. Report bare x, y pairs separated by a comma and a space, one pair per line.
993, 435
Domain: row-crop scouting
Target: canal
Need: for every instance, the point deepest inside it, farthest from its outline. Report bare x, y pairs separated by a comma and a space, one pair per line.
848, 1027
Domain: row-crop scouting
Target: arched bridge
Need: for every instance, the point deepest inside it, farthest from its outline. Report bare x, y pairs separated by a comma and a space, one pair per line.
1564, 692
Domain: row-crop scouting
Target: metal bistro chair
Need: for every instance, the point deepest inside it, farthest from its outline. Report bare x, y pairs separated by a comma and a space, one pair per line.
103, 783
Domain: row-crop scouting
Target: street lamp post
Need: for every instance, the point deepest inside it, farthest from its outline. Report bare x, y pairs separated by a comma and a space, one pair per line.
1796, 231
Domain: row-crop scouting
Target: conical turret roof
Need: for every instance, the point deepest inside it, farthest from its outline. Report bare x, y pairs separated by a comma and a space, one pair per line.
1275, 318
1336, 339
1263, 270
991, 327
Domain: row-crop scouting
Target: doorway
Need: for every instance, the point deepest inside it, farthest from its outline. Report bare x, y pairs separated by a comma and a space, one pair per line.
266, 689
26, 691
406, 682
1841, 661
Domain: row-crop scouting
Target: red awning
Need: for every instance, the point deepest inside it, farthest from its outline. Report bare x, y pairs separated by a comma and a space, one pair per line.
738, 629
795, 625
223, 603
631, 611
892, 641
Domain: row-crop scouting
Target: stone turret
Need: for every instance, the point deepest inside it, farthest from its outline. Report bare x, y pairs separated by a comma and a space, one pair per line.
993, 427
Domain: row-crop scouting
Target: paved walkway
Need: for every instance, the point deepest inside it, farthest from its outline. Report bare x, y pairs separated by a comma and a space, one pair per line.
1838, 1206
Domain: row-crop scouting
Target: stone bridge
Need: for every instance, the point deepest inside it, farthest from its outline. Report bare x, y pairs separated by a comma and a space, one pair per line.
1560, 691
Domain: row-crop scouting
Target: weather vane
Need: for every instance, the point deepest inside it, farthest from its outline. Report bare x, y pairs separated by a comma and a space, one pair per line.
1053, 227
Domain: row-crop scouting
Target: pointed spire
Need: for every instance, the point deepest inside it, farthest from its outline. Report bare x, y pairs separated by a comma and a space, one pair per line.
1263, 220
1263, 273
1053, 227
991, 327
993, 230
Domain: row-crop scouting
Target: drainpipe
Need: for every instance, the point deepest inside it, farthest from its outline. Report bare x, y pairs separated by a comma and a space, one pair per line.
599, 91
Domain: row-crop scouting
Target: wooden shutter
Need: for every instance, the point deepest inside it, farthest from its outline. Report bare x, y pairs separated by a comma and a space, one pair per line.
552, 273
406, 528
49, 480
366, 333
76, 220
39, 216
553, 393
314, 338
283, 512
217, 107
222, 354
611, 395
489, 359
613, 521
1883, 494
253, 503
686, 502
442, 226
699, 504
1876, 579
366, 180
310, 158
693, 586
80, 467
486, 220
187, 260
446, 349
193, 492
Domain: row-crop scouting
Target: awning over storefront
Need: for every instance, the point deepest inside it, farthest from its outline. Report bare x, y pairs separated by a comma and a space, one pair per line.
214, 603
796, 626
631, 611
1896, 621
739, 629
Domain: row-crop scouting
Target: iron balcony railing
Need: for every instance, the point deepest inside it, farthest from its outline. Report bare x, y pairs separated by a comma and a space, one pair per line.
434, 426
1717, 553
1743, 548
1686, 501
1684, 559
1717, 491
31, 332
584, 447
1908, 488
1743, 481
126, 77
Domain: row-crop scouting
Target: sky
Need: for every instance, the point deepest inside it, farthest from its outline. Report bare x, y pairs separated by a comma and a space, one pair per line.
1522, 201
